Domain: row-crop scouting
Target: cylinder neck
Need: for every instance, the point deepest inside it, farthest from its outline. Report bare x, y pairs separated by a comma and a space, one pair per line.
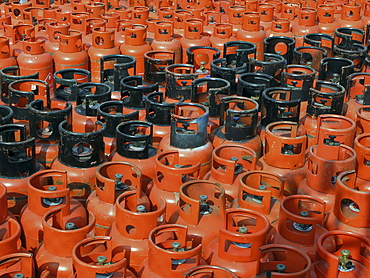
325, 13
266, 12
251, 22
280, 25
136, 35
102, 39
223, 30
71, 43
4, 47
193, 29
351, 12
307, 17
163, 31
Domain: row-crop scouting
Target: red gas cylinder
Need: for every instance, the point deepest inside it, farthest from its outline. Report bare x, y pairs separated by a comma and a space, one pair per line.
193, 36
238, 124
10, 237
54, 29
209, 271
266, 12
222, 33
135, 219
16, 34
189, 136
6, 58
120, 31
94, 257
170, 175
348, 259
276, 261
228, 163
251, 31
135, 45
21, 264
47, 190
54, 255
280, 27
306, 25
363, 120
324, 162
327, 22
79, 155
349, 211
351, 16
112, 179
102, 45
237, 247
285, 148
134, 145
177, 249
236, 17
164, 40
260, 191
201, 205
300, 224
71, 53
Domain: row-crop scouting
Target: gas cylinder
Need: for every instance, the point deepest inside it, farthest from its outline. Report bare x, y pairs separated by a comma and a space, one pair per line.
120, 31
20, 264
179, 78
110, 113
95, 9
189, 136
180, 16
306, 24
80, 154
228, 163
47, 190
300, 224
266, 13
210, 19
71, 54
237, 246
10, 237
284, 154
135, 219
133, 90
201, 57
156, 62
281, 45
16, 10
327, 22
325, 161
56, 255
35, 59
134, 144
193, 36
178, 249
336, 70
54, 29
236, 17
17, 164
349, 211
102, 45
260, 191
6, 58
201, 205
164, 39
6, 115
325, 98
273, 263
363, 120
350, 16
280, 27
309, 56
94, 257
361, 146
89, 96
272, 65
4, 213
135, 45
16, 34
112, 179
209, 271
346, 260
222, 33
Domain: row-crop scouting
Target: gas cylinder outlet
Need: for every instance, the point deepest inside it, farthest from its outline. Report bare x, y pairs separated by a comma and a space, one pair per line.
118, 182
204, 207
303, 227
345, 265
52, 201
176, 248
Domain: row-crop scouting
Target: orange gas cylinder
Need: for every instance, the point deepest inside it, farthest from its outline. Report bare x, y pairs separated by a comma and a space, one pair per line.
228, 163
363, 120
358, 93
361, 146
327, 22
236, 17
20, 264
47, 190
201, 57
4, 213
325, 98
17, 164
134, 144
260, 191
349, 211
189, 136
170, 175
111, 18
102, 45
349, 258
210, 19
209, 271
193, 36
16, 10
95, 9
276, 261
179, 78
336, 70
133, 90
238, 123
5, 19
6, 58
110, 113
306, 24
44, 119
266, 12
324, 162
71, 54
135, 45
112, 179
135, 219
280, 27
222, 33
351, 16
140, 14
300, 224
252, 31
16, 34
285, 148
164, 39
178, 250
10, 237
237, 246
54, 29
85, 111
95, 257
180, 16
201, 205
79, 155
60, 236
